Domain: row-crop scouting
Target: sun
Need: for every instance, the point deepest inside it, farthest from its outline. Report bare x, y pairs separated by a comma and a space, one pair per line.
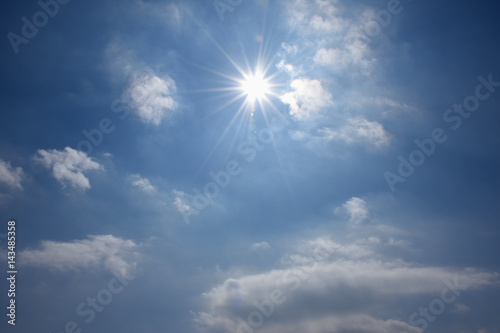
255, 86
251, 90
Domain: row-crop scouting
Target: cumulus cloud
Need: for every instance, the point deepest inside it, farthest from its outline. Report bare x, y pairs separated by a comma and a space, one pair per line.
329, 292
357, 209
142, 183
112, 253
331, 40
261, 246
358, 131
11, 176
336, 40
68, 166
307, 99
151, 97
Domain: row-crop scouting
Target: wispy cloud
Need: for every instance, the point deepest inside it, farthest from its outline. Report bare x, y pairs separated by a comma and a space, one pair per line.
180, 201
142, 183
68, 166
316, 17
11, 176
358, 131
261, 246
171, 13
107, 251
355, 53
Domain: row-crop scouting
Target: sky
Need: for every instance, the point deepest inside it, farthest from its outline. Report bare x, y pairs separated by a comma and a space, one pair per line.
320, 166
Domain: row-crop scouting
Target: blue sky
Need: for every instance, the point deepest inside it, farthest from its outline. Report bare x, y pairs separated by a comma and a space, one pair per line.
251, 165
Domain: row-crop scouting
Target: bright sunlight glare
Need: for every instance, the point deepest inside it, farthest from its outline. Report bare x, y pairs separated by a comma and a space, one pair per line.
255, 86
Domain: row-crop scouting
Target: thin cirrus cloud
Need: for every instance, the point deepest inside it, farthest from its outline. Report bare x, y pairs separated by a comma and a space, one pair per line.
142, 183
171, 14
11, 176
68, 166
151, 97
106, 251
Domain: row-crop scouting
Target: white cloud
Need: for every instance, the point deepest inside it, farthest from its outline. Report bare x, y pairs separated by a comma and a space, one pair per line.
151, 96
307, 99
330, 38
387, 103
358, 323
290, 49
358, 130
298, 135
334, 57
308, 250
330, 42
387, 106
357, 209
112, 253
355, 52
261, 246
180, 201
288, 68
174, 13
11, 176
360, 53
460, 308
313, 17
68, 166
331, 24
171, 13
142, 183
397, 242
326, 291
181, 204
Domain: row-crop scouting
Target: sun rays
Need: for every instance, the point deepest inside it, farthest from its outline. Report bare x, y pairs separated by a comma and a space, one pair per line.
255, 87
248, 94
